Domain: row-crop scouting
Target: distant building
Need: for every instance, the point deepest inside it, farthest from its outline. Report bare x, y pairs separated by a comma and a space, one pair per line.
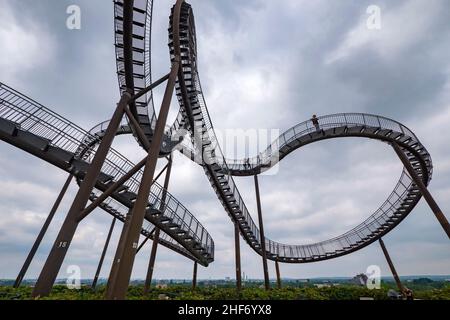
161, 286
335, 284
323, 285
394, 295
422, 281
303, 280
360, 279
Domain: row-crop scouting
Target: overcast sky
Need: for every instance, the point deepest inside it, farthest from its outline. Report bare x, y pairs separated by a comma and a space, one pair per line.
264, 65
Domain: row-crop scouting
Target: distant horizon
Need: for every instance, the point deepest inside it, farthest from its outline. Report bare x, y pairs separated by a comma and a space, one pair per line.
258, 279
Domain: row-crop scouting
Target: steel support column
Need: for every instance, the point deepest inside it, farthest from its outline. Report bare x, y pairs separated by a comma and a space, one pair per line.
113, 272
41, 234
277, 269
145, 240
423, 190
113, 188
150, 88
153, 230
391, 266
261, 235
237, 250
102, 258
118, 284
56, 257
151, 264
194, 276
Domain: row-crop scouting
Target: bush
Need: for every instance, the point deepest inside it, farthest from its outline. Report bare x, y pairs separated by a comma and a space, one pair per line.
342, 292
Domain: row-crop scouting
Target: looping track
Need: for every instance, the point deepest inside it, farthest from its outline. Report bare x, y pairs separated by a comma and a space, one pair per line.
219, 170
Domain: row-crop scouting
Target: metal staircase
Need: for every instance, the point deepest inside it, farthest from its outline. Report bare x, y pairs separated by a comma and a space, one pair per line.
41, 132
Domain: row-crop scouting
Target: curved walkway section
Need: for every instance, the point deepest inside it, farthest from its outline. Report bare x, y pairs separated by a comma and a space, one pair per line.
133, 60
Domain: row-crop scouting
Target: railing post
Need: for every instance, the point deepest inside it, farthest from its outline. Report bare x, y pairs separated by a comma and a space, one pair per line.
102, 258
41, 234
423, 190
261, 235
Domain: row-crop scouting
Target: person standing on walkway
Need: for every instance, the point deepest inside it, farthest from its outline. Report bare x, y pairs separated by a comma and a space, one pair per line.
315, 122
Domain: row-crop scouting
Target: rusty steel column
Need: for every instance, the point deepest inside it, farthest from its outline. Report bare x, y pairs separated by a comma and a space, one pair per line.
56, 257
277, 269
261, 235
145, 241
194, 277
151, 264
122, 180
391, 266
237, 250
423, 190
41, 234
118, 285
102, 258
113, 272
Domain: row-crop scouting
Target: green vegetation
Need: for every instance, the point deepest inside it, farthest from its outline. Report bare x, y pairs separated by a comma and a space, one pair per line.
184, 292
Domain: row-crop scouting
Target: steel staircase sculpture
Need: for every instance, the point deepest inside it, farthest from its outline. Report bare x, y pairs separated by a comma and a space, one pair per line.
43, 133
